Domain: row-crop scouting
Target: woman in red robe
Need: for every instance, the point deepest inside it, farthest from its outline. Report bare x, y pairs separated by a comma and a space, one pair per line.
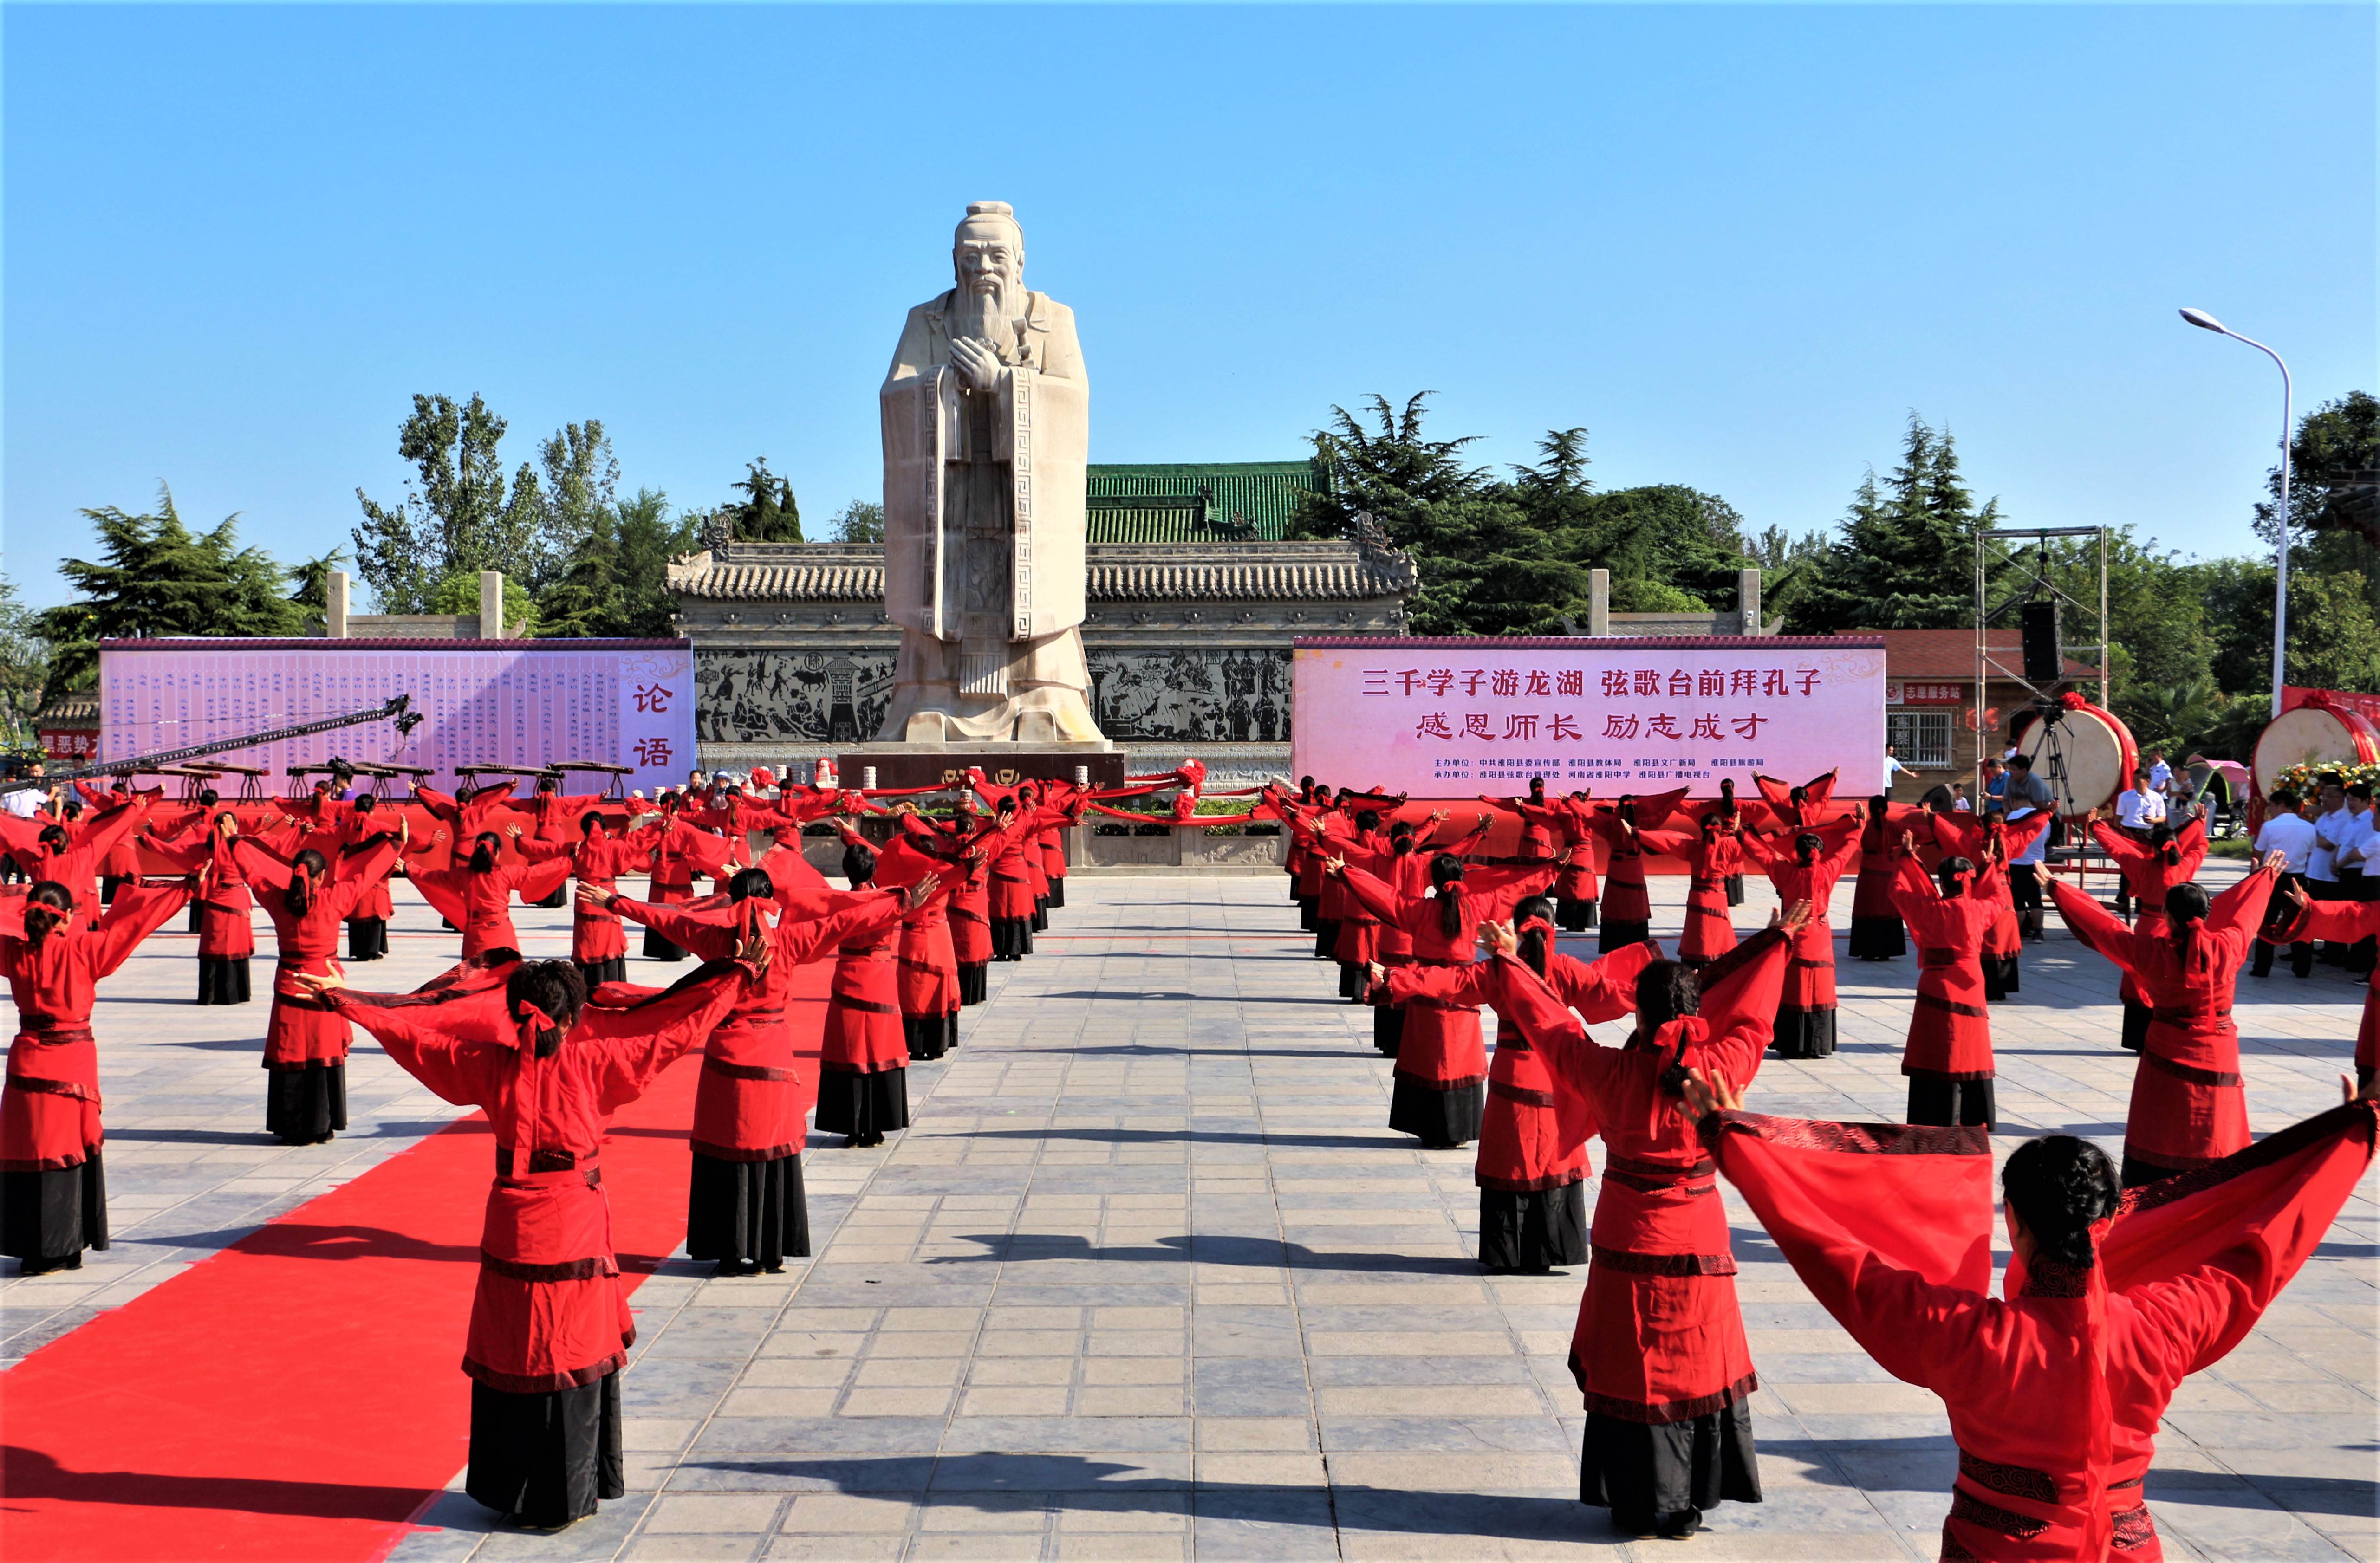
2341, 923
598, 946
1442, 1058
2056, 1388
966, 845
477, 896
1659, 1350
864, 1053
70, 852
2169, 857
1052, 842
1575, 893
305, 1041
1713, 854
1359, 932
1627, 906
928, 980
367, 923
681, 850
53, 1183
2004, 839
1012, 883
1948, 1056
1532, 1169
1877, 932
1402, 864
122, 861
226, 931
549, 1327
2188, 1107
1805, 1014
747, 1210
1539, 819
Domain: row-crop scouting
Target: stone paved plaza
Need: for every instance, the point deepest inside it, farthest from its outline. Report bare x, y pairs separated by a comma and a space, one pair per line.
1150, 1278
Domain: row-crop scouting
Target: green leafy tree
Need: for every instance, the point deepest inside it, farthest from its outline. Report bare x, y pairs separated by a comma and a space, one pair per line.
861, 521
2334, 635
2333, 510
156, 578
311, 581
458, 513
1906, 556
768, 512
24, 666
582, 480
1791, 568
616, 582
459, 593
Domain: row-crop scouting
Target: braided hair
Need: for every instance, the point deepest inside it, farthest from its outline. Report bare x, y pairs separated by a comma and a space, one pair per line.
2059, 1185
1446, 877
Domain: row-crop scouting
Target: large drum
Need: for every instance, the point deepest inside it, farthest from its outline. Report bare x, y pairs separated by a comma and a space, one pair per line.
2313, 735
2086, 756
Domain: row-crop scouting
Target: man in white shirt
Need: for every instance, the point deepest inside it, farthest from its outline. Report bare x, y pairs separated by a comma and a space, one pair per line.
2160, 774
24, 803
2330, 822
2137, 807
2355, 856
2288, 833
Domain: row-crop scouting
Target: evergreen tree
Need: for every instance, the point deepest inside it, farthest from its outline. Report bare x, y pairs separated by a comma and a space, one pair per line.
1906, 559
156, 578
616, 582
861, 521
24, 666
768, 513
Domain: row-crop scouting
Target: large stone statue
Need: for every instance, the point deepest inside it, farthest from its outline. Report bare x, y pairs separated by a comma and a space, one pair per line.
987, 428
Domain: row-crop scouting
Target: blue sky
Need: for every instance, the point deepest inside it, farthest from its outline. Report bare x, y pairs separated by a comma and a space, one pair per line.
1739, 245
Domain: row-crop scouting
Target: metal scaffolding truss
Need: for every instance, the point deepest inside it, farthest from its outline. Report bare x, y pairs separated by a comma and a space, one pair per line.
2004, 546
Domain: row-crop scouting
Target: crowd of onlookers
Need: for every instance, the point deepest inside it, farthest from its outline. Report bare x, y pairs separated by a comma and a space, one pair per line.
2331, 848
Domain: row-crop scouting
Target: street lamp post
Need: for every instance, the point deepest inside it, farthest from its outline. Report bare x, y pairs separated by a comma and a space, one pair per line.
2206, 322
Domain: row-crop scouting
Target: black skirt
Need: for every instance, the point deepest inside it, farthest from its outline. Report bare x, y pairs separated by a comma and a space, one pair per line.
659, 949
2136, 1024
198, 910
546, 1459
1573, 916
1735, 889
929, 1037
558, 898
1879, 939
1804, 1034
747, 1212
1665, 1467
366, 937
1442, 1120
107, 883
1351, 980
1040, 914
1012, 938
971, 982
1389, 1028
1057, 890
56, 1214
1534, 1231
1326, 938
223, 982
1933, 1099
1310, 908
2000, 977
598, 973
864, 1107
1620, 936
308, 1105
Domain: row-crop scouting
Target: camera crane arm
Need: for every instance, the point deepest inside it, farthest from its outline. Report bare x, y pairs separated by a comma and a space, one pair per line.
395, 711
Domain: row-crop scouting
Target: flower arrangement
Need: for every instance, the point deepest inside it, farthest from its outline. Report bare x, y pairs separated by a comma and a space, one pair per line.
2299, 779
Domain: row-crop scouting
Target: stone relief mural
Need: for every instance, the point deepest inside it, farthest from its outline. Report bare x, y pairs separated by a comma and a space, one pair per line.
1191, 696
1188, 695
791, 697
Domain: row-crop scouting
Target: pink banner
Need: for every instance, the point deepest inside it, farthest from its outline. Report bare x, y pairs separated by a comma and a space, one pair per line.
519, 703
1453, 718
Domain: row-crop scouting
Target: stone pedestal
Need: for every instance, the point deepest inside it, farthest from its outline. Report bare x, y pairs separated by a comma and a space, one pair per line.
926, 765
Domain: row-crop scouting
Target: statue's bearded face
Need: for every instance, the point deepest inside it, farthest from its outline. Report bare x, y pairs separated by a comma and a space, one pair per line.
988, 257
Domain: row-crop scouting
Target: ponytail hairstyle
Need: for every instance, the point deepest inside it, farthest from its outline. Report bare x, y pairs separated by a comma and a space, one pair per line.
47, 906
54, 837
1534, 919
1666, 990
1797, 795
311, 870
208, 798
557, 987
1446, 877
2161, 842
748, 884
1878, 813
1401, 838
2059, 1186
465, 790
859, 864
1727, 796
483, 852
1625, 808
1954, 875
587, 821
2186, 906
1806, 848
365, 803
1367, 820
1537, 789
549, 784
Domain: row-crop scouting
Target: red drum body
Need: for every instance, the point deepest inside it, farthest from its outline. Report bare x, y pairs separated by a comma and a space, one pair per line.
2086, 756
2313, 735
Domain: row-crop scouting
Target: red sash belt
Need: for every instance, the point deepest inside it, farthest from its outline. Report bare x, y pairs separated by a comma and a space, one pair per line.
1951, 1006
50, 1034
1965, 1506
2186, 1073
2191, 1020
53, 1087
872, 952
747, 1072
964, 914
571, 1270
864, 1006
919, 965
1442, 1006
548, 1166
1521, 1094
2014, 1480
1938, 955
1630, 1264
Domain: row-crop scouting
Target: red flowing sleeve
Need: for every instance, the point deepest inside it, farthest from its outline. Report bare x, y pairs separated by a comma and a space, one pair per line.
461, 1063
1470, 983
1603, 990
2098, 927
140, 911
1741, 991
705, 933
1374, 896
103, 833
631, 1046
1889, 1226
1668, 843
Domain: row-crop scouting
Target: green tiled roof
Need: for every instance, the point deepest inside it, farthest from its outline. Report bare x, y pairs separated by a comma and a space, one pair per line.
1196, 503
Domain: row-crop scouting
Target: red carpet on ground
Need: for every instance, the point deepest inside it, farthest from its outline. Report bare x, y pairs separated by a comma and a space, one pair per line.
299, 1395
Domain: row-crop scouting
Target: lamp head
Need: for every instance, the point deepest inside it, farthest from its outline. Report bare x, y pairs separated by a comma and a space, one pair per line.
2203, 321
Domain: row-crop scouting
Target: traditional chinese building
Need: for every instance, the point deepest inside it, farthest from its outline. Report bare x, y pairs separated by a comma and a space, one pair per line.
1194, 600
